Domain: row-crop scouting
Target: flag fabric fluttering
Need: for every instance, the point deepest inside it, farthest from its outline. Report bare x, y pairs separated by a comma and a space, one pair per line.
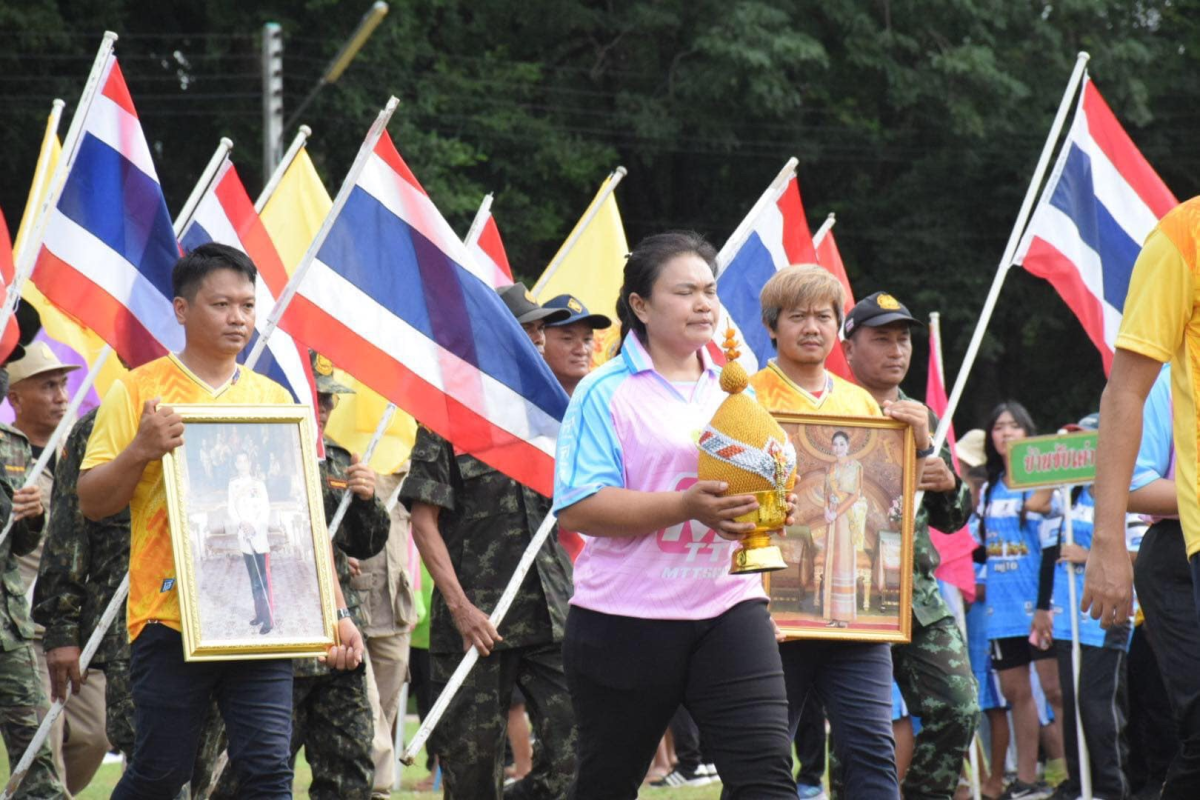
292, 216
778, 237
225, 214
954, 549
395, 298
489, 251
8, 339
829, 257
1098, 207
109, 247
70, 341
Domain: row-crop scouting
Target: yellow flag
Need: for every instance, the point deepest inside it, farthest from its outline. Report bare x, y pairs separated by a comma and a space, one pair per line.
292, 217
58, 325
594, 267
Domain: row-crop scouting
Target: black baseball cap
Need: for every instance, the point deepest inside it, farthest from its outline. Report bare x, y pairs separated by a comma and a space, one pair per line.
522, 305
579, 313
877, 309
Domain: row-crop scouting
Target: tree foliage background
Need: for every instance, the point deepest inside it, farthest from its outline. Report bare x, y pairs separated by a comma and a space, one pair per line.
917, 122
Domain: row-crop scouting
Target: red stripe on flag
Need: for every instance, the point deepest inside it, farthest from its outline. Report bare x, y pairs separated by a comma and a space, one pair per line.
7, 270
1045, 261
387, 151
95, 308
490, 243
1112, 139
797, 238
116, 90
8, 340
231, 193
464, 427
829, 257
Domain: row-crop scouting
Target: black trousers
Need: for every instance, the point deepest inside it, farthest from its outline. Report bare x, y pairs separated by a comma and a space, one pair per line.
810, 742
1164, 586
687, 741
1153, 739
628, 676
1103, 701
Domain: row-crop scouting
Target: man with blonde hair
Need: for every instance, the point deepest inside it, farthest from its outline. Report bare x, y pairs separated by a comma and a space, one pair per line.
802, 310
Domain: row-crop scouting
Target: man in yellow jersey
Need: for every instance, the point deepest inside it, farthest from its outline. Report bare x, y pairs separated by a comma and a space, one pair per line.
1160, 324
135, 427
802, 310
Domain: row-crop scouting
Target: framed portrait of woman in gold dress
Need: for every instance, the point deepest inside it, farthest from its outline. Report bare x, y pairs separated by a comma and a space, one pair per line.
849, 551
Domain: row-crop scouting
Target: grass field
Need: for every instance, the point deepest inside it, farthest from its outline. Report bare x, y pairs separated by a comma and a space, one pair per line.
102, 785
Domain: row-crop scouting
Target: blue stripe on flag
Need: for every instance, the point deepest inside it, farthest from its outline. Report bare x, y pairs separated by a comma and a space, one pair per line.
1075, 196
739, 287
267, 365
400, 269
194, 235
123, 207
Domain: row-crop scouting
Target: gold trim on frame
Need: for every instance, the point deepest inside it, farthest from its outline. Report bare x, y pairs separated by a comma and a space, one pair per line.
195, 649
903, 634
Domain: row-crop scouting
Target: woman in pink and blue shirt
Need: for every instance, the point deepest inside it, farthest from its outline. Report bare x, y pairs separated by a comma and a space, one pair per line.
656, 619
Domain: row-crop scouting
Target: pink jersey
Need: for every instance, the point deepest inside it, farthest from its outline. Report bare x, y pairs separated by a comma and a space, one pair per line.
628, 427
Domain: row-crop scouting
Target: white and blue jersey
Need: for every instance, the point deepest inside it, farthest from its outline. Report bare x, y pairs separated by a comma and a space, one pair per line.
1082, 514
1014, 557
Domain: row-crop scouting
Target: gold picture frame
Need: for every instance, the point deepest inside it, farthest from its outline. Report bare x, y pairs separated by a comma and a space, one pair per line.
860, 589
244, 488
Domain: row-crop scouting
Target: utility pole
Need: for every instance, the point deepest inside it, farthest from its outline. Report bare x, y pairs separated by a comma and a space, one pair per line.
272, 77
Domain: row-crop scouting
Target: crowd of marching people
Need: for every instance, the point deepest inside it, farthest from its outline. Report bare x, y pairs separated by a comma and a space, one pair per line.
613, 668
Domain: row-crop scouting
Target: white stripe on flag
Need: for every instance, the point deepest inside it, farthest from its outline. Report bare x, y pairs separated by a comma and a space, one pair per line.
103, 266
121, 131
1113, 191
770, 231
503, 407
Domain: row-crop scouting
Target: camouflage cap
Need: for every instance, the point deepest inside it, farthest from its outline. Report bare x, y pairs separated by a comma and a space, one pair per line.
323, 373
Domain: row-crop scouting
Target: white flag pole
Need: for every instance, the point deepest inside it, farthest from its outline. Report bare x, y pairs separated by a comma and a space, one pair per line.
202, 185
33, 244
1085, 768
347, 495
289, 291
618, 174
481, 218
742, 232
1014, 239
825, 228
282, 167
472, 655
85, 658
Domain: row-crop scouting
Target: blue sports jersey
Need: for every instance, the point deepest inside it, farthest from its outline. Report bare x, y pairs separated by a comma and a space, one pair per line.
1082, 514
1014, 558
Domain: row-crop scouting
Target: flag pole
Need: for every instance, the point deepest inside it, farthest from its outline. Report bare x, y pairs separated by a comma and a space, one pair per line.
825, 228
1085, 768
742, 232
1014, 238
40, 174
347, 495
364, 152
282, 167
481, 218
472, 655
33, 244
615, 178
206, 178
85, 658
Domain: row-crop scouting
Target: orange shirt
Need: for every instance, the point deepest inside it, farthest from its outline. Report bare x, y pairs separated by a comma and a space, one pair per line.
153, 594
840, 398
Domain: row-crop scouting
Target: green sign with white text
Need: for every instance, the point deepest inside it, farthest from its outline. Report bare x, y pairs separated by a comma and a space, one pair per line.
1060, 460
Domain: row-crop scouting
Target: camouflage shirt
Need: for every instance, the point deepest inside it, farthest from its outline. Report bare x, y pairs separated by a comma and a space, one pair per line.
83, 562
362, 534
946, 511
487, 520
16, 629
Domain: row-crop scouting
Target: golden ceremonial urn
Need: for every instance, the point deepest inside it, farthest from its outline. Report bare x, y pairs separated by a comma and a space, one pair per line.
744, 446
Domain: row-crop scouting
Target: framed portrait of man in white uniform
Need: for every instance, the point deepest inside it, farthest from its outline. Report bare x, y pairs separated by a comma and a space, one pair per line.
248, 532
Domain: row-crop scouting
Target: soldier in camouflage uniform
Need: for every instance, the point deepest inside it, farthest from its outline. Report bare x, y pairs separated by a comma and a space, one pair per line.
933, 670
331, 713
22, 699
83, 563
472, 524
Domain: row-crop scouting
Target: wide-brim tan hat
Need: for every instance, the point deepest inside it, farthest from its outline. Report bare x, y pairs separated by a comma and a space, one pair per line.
970, 448
38, 359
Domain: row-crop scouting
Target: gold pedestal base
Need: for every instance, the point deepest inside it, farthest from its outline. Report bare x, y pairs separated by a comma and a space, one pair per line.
757, 559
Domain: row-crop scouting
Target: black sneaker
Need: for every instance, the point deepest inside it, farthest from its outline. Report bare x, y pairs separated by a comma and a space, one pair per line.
679, 777
1019, 790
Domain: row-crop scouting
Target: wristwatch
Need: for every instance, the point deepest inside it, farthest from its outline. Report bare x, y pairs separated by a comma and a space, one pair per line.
927, 452
343, 613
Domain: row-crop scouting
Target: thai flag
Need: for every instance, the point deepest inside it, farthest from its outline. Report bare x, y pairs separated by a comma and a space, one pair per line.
225, 214
780, 236
8, 340
109, 246
395, 299
1100, 204
488, 251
